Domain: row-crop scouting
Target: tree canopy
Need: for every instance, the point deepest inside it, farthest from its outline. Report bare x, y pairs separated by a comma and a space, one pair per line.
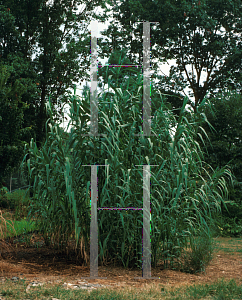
44, 48
53, 38
225, 144
204, 38
12, 132
225, 139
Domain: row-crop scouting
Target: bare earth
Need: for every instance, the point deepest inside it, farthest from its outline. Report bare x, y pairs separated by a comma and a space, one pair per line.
45, 264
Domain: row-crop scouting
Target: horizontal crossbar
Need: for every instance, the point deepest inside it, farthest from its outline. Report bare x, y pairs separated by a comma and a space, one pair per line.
120, 66
119, 208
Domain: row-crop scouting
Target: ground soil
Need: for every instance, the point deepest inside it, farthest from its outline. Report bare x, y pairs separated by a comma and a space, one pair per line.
45, 264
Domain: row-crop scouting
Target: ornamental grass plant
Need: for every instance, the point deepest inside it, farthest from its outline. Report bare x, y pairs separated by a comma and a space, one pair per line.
185, 192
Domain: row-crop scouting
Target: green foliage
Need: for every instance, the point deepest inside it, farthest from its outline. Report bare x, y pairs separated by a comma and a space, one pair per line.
183, 193
3, 191
186, 192
231, 226
225, 146
201, 36
11, 120
117, 77
198, 258
19, 228
3, 197
58, 31
20, 200
56, 199
225, 149
17, 201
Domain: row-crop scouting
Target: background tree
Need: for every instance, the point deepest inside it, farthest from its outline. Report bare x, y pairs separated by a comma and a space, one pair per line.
52, 37
12, 132
204, 37
47, 46
225, 146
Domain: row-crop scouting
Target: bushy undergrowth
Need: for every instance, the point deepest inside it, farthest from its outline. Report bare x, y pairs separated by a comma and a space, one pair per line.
18, 201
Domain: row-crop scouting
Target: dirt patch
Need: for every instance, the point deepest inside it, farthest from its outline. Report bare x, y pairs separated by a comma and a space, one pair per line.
45, 264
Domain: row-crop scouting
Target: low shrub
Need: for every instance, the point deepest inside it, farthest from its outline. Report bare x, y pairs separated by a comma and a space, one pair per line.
230, 227
18, 200
196, 259
4, 202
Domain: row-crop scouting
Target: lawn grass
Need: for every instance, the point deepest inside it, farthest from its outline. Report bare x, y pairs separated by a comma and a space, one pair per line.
219, 290
21, 227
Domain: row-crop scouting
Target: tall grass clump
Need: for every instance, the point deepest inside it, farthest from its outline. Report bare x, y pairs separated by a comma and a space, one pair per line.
184, 193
